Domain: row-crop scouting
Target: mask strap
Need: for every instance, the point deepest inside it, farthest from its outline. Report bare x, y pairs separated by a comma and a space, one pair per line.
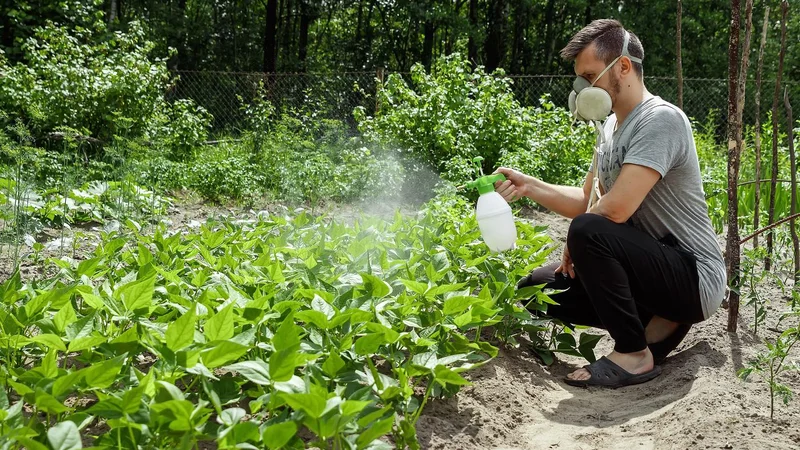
606, 69
594, 195
625, 51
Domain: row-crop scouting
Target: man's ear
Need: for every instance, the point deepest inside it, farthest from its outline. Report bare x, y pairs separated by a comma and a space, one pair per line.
625, 66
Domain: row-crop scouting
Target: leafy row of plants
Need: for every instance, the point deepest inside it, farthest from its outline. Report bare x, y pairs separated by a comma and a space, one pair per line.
281, 331
443, 118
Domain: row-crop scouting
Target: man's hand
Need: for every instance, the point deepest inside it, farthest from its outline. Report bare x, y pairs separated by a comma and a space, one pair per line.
516, 185
566, 267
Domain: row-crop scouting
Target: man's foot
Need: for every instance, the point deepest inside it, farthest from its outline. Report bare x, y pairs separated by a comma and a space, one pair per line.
635, 363
659, 329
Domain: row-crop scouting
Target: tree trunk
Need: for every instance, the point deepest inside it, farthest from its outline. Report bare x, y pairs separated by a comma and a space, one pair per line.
112, 12
285, 42
429, 31
757, 214
549, 35
678, 54
368, 35
494, 37
518, 39
732, 247
270, 36
472, 45
793, 169
774, 184
307, 17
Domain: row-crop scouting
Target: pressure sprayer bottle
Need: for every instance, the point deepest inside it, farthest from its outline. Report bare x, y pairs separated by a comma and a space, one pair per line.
493, 213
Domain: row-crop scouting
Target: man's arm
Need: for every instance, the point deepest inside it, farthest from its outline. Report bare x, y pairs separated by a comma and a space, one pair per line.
632, 186
568, 201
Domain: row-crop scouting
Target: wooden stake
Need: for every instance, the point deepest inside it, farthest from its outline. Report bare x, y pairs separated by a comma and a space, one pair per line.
793, 168
678, 54
735, 151
757, 214
774, 184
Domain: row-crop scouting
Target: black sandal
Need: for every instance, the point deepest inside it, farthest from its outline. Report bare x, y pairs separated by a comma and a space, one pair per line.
662, 349
608, 374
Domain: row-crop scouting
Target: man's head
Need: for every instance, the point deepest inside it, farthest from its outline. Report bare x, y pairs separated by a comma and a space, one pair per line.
596, 46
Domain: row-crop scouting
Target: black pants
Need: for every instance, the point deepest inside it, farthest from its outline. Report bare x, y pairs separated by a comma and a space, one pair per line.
623, 278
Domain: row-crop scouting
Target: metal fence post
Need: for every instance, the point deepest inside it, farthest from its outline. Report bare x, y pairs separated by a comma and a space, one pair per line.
378, 87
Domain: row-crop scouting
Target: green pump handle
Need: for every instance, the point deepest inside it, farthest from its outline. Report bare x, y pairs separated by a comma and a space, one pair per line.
485, 184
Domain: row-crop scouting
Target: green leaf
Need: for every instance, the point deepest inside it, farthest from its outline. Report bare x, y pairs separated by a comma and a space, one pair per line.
311, 404
87, 267
86, 342
378, 429
256, 371
50, 340
232, 416
30, 444
415, 286
444, 289
67, 383
83, 327
333, 364
315, 318
458, 304
427, 360
180, 333
94, 301
137, 296
587, 344
64, 436
101, 376
282, 365
319, 304
220, 327
375, 286
463, 320
49, 404
277, 435
353, 407
288, 335
49, 366
443, 376
368, 345
65, 316
440, 262
222, 353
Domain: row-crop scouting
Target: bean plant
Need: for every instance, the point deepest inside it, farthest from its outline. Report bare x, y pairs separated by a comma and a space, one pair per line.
279, 330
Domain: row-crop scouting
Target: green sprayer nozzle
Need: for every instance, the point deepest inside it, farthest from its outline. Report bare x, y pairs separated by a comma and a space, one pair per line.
486, 184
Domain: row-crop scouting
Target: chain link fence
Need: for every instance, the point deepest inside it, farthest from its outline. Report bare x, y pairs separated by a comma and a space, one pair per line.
56, 223
335, 96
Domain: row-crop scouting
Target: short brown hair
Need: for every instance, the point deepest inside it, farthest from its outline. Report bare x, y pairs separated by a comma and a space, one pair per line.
608, 36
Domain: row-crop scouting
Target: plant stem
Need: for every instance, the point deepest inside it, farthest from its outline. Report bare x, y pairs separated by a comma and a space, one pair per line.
424, 401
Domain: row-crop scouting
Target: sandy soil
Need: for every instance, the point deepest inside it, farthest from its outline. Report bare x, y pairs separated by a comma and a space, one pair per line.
517, 403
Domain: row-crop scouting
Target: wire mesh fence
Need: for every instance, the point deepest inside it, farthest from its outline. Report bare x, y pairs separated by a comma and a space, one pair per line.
91, 187
335, 96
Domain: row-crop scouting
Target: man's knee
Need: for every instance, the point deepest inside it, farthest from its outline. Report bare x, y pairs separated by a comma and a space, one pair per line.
583, 227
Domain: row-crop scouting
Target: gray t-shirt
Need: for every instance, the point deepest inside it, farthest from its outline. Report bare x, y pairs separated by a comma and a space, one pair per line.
658, 135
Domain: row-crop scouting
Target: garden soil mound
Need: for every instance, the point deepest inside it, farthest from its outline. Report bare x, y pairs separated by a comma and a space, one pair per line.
517, 403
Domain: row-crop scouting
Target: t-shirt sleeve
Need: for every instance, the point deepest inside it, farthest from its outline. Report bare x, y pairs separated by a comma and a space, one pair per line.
659, 140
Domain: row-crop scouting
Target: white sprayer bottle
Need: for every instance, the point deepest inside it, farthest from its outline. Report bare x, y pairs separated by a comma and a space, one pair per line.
495, 219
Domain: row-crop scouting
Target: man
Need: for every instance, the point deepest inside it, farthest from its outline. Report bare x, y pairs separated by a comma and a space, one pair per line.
644, 262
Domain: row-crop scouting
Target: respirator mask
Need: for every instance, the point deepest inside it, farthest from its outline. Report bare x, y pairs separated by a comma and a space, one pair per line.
590, 103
